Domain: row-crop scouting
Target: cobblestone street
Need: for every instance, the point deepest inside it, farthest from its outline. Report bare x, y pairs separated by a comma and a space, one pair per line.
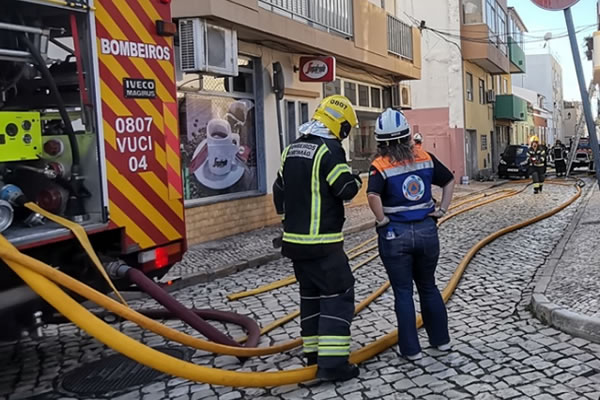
499, 351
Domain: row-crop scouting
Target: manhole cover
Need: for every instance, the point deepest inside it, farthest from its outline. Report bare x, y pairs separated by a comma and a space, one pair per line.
113, 374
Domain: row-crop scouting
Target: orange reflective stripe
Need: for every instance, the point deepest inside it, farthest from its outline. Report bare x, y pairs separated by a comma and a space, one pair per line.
382, 164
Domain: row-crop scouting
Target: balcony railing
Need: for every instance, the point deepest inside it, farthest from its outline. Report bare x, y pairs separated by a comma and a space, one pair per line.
400, 39
330, 15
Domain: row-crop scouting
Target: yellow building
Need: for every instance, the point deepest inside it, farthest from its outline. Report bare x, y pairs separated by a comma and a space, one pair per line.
479, 118
492, 41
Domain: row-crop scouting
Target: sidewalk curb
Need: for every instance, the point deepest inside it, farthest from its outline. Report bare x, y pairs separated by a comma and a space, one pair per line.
552, 314
229, 269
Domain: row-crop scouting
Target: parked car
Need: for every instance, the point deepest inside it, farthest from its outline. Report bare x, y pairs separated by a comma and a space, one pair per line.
514, 162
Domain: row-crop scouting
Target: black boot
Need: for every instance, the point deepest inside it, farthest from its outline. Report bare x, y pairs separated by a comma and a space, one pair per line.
311, 358
339, 374
541, 187
535, 190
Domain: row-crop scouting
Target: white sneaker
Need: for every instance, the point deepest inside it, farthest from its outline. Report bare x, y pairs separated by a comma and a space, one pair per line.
415, 357
444, 347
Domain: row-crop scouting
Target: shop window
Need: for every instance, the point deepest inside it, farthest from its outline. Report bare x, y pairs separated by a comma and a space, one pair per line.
303, 112
375, 97
469, 86
363, 96
363, 145
386, 97
481, 91
290, 121
331, 88
218, 135
350, 91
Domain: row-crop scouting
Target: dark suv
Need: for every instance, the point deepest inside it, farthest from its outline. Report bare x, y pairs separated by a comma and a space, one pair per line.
514, 162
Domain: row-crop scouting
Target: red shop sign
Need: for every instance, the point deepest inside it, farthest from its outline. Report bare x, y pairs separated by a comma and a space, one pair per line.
317, 69
555, 4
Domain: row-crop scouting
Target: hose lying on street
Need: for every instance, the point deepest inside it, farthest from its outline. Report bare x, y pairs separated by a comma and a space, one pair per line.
36, 274
289, 280
190, 317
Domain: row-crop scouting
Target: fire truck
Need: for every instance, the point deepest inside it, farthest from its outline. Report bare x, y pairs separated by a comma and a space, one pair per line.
89, 133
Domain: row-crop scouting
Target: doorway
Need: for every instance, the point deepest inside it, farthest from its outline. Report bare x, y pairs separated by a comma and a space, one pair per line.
471, 153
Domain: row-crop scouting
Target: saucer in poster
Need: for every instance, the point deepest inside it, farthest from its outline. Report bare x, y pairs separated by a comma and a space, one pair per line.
218, 182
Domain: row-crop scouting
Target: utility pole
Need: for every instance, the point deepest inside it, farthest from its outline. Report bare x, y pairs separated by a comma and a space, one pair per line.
585, 100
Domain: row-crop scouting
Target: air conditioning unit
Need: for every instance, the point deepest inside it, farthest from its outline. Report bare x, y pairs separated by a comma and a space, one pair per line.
204, 47
490, 97
401, 96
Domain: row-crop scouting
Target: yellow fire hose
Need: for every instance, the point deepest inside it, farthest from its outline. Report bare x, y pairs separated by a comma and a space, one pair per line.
286, 318
81, 235
289, 280
27, 269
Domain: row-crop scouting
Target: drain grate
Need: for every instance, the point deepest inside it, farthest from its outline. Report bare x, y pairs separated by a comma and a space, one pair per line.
113, 374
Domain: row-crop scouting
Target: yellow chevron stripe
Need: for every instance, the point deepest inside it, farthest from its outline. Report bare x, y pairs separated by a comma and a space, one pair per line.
137, 198
161, 156
141, 64
133, 230
171, 130
162, 191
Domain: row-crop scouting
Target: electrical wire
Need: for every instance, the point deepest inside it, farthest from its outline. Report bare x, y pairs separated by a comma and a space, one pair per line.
495, 39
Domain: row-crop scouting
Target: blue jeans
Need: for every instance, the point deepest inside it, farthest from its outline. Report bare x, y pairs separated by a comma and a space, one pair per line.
410, 251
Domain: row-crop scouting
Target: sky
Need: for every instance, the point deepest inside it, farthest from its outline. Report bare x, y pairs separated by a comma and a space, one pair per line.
539, 22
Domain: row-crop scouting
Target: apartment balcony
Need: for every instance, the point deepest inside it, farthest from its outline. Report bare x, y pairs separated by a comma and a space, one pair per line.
400, 38
356, 32
517, 57
510, 107
481, 47
334, 17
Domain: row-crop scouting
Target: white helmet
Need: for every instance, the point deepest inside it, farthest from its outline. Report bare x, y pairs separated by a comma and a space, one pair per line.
391, 125
418, 138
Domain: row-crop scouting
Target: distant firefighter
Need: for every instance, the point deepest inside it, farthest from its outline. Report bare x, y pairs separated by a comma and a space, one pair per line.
559, 153
537, 164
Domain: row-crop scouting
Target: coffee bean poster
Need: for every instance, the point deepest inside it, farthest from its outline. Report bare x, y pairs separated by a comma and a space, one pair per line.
218, 145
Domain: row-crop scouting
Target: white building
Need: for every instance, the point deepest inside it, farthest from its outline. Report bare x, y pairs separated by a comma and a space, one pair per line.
544, 76
437, 99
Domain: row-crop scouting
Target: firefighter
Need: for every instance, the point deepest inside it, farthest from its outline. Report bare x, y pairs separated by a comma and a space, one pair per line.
400, 196
537, 162
312, 184
418, 139
559, 153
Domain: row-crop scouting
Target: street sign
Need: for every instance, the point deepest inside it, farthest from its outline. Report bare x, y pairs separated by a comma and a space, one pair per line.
555, 5
317, 69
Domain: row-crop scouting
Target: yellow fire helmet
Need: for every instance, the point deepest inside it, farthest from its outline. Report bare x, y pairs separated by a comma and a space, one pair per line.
534, 139
337, 114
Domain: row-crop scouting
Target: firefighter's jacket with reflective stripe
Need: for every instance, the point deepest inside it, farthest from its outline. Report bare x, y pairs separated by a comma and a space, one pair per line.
312, 184
537, 157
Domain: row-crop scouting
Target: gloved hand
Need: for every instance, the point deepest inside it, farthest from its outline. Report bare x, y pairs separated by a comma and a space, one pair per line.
359, 181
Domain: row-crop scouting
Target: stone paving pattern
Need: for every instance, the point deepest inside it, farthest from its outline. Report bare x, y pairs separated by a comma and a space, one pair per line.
210, 256
499, 350
576, 281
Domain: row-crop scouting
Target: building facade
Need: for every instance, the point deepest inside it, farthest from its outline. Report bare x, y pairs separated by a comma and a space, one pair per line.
492, 42
245, 90
437, 106
571, 111
544, 76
